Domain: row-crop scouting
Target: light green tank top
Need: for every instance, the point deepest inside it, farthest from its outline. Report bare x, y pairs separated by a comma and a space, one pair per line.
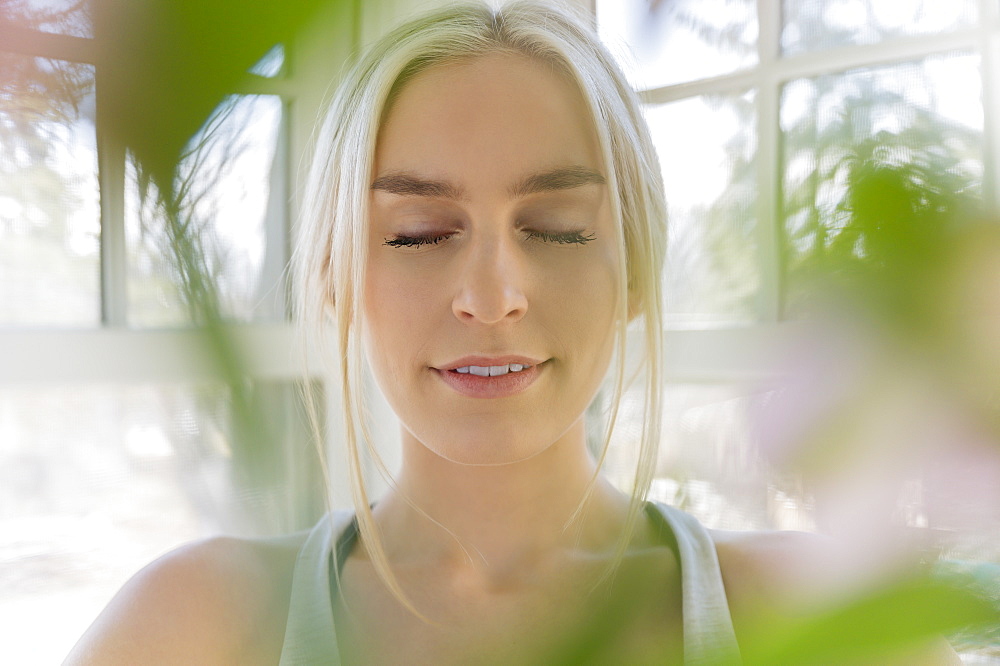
311, 637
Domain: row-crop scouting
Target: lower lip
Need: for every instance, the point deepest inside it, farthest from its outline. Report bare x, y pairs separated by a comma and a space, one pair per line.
501, 386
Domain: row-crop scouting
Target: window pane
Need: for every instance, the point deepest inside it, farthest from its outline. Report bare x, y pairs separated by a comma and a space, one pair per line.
812, 25
62, 17
922, 121
96, 481
707, 147
49, 198
231, 211
272, 64
662, 43
709, 463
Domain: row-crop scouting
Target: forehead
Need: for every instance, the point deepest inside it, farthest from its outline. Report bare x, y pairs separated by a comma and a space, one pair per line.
488, 119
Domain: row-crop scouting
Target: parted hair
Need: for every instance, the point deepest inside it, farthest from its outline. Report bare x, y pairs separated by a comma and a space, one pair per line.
331, 237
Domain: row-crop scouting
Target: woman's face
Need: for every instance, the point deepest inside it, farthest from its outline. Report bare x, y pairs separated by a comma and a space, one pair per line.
491, 288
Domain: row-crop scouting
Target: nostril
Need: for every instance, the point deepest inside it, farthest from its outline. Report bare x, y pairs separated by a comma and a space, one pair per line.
492, 287
490, 306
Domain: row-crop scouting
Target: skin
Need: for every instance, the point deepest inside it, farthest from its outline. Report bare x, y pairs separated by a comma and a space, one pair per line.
491, 286
505, 582
503, 474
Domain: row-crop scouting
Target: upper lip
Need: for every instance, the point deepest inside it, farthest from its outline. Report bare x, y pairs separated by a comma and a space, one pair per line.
486, 361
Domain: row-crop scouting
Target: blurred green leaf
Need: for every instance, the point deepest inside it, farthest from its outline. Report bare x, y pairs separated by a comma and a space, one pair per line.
892, 619
167, 64
166, 69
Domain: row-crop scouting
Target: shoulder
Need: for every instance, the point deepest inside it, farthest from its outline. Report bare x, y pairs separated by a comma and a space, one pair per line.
775, 567
222, 600
776, 573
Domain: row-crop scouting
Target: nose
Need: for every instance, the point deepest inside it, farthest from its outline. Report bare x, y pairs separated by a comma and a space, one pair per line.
492, 285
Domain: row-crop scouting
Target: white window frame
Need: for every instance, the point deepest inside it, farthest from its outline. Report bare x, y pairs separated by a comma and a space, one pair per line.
739, 353
114, 354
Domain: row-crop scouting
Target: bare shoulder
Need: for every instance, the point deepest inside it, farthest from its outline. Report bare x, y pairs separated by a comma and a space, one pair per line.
773, 567
222, 600
772, 576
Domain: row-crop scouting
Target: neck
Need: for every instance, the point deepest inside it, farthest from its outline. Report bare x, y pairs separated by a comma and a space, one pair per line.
501, 517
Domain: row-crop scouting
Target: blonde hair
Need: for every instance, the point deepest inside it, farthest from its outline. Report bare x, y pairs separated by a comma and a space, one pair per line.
330, 254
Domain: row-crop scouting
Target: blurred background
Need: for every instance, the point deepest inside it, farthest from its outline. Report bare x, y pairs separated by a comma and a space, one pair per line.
832, 284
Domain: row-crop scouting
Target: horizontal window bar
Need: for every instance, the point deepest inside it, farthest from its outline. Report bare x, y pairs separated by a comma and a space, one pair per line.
15, 39
813, 64
275, 351
271, 351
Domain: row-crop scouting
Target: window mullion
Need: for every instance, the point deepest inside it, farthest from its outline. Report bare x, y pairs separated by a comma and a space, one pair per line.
989, 28
111, 177
275, 304
768, 161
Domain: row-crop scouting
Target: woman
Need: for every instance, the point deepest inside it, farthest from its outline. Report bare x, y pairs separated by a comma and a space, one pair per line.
485, 219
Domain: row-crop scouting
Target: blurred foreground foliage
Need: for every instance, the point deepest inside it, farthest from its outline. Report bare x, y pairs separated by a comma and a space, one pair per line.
171, 63
900, 227
886, 624
911, 254
167, 69
166, 72
897, 277
897, 623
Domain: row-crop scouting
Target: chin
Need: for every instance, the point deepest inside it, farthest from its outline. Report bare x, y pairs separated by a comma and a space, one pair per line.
500, 447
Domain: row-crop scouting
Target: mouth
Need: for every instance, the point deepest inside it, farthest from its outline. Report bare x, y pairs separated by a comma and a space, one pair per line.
490, 378
490, 370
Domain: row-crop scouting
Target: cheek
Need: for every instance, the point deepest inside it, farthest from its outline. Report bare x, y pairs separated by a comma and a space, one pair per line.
398, 314
584, 294
385, 301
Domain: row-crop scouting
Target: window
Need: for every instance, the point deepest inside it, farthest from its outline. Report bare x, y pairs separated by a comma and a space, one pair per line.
107, 416
771, 118
118, 438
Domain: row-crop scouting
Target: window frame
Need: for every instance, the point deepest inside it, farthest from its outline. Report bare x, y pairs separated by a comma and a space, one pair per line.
112, 352
773, 70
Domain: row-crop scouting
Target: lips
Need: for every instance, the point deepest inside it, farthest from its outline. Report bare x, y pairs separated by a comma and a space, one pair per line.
485, 377
490, 370
489, 361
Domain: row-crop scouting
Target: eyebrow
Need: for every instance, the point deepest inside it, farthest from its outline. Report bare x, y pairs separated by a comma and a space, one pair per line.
406, 184
562, 178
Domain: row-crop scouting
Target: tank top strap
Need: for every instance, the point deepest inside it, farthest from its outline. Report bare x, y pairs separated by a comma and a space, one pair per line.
709, 637
310, 636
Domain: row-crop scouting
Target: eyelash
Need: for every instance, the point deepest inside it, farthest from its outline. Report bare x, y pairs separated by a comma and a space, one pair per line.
414, 241
560, 238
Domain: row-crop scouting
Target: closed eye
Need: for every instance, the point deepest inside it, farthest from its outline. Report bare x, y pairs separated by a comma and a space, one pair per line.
561, 237
557, 237
415, 241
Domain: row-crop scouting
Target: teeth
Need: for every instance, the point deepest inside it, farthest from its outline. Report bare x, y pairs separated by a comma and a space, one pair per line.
491, 370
